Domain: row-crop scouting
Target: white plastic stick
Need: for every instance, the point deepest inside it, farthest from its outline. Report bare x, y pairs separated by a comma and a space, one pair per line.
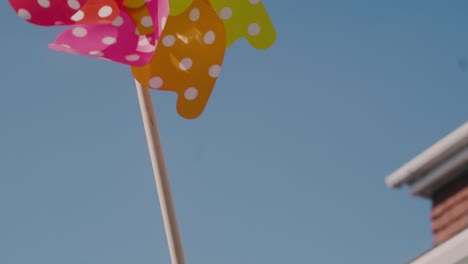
160, 175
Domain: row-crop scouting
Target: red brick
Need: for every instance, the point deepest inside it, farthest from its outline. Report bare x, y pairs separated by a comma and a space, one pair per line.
449, 213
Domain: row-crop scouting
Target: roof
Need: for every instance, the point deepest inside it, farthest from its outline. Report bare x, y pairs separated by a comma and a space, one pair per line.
447, 156
452, 251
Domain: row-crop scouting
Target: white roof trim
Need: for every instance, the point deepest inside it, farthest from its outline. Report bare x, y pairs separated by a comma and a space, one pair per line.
449, 252
452, 167
431, 157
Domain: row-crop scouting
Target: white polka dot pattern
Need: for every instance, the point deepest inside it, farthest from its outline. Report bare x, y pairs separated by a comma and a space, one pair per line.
189, 60
246, 19
104, 29
193, 42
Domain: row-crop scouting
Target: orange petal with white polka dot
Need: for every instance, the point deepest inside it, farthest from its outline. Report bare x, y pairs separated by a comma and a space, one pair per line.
134, 3
188, 58
97, 12
142, 19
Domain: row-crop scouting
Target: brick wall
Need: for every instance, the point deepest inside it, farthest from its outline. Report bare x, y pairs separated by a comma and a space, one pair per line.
449, 213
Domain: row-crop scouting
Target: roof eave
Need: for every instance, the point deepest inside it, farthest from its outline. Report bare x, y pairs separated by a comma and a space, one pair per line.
451, 251
430, 158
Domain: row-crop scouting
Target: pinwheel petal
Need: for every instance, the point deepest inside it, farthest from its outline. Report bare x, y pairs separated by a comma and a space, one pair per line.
248, 19
178, 6
142, 19
120, 41
134, 3
188, 58
97, 12
47, 12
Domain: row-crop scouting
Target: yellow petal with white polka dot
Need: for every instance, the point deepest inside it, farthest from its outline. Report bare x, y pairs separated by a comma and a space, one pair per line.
248, 19
178, 6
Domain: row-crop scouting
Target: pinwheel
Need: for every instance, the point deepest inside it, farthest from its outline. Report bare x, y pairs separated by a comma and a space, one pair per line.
170, 45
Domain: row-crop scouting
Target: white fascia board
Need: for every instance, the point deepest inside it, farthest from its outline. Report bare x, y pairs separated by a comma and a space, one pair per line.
431, 157
449, 252
452, 167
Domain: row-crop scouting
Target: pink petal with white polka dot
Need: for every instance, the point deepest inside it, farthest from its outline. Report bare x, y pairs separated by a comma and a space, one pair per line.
47, 12
117, 42
159, 10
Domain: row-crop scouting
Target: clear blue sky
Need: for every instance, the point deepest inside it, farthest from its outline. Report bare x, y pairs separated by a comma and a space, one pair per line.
286, 165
